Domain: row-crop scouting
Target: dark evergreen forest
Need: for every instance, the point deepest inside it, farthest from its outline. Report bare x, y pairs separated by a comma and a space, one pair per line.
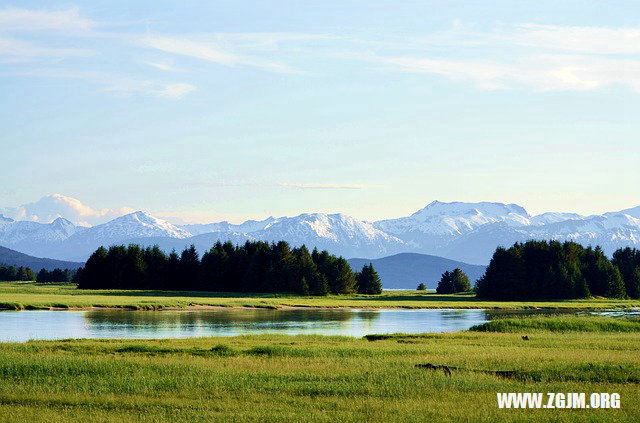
252, 267
553, 270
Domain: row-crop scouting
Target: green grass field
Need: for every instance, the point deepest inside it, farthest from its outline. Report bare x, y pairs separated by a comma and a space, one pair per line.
315, 378
31, 295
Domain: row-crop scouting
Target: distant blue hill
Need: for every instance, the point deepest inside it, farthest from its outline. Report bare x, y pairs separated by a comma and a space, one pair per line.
14, 258
407, 270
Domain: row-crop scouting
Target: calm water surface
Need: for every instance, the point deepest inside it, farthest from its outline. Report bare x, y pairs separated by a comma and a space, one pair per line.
25, 325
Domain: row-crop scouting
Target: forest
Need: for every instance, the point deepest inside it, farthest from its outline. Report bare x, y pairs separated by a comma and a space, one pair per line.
12, 273
25, 274
253, 267
553, 270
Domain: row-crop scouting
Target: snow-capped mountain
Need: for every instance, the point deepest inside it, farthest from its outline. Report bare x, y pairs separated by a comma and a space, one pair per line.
430, 229
36, 238
342, 234
454, 219
16, 231
247, 227
338, 233
467, 232
61, 239
470, 232
138, 224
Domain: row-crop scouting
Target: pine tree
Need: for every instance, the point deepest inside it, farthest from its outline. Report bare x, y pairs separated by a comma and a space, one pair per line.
43, 276
460, 281
368, 281
421, 287
189, 267
302, 287
445, 285
173, 271
628, 262
343, 280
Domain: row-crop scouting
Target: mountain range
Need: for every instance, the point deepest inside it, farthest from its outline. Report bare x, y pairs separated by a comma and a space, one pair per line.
467, 232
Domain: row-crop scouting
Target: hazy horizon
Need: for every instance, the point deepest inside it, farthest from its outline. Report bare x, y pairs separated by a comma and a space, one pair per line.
53, 206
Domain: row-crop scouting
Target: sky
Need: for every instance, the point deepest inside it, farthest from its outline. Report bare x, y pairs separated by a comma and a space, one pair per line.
228, 110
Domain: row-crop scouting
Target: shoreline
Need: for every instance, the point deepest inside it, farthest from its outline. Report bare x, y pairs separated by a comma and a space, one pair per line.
60, 297
282, 307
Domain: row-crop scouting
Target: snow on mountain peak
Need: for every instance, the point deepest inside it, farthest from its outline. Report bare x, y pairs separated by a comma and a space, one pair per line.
457, 208
633, 212
141, 224
553, 217
455, 218
4, 219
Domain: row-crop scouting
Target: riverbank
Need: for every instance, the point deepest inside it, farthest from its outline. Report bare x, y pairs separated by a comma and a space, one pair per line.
34, 296
303, 378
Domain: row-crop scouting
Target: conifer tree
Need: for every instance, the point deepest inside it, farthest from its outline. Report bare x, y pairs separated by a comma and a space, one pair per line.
460, 281
368, 281
628, 262
445, 285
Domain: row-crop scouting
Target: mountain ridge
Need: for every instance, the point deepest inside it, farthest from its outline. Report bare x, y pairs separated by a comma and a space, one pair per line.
466, 232
15, 258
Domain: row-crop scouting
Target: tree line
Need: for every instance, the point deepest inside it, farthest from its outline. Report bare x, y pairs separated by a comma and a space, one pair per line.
253, 267
554, 270
55, 275
24, 273
12, 273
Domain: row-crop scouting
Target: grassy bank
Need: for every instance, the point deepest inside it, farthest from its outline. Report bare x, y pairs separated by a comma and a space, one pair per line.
314, 378
30, 295
560, 324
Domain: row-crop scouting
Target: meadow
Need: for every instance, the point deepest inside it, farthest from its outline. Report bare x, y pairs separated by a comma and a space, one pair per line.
316, 378
31, 295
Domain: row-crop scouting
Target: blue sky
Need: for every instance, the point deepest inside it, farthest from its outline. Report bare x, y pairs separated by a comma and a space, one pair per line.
204, 111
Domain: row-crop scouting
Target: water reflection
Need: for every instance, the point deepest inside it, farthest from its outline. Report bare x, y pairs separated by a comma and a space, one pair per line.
25, 325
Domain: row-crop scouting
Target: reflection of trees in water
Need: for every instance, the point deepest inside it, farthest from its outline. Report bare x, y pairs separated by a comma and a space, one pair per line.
225, 320
368, 318
461, 315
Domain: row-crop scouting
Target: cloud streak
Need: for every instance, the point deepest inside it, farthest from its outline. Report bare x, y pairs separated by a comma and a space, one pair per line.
17, 48
210, 51
304, 186
538, 57
529, 56
16, 19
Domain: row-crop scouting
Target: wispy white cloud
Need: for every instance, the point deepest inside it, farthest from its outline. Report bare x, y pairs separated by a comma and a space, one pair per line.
176, 91
216, 48
539, 57
198, 50
128, 86
595, 40
540, 72
320, 186
18, 19
523, 56
18, 48
166, 67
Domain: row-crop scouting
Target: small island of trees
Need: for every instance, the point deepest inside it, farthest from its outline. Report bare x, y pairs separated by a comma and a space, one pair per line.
253, 267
